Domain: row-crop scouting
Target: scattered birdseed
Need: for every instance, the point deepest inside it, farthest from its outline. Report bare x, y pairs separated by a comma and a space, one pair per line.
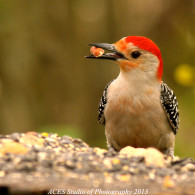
38, 162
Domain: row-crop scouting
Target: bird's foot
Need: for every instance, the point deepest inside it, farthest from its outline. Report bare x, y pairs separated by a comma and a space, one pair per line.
170, 152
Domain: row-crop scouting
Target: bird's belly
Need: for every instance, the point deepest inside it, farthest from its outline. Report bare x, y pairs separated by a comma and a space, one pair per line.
137, 124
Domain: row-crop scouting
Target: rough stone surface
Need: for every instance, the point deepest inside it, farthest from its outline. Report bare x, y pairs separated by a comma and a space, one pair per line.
35, 163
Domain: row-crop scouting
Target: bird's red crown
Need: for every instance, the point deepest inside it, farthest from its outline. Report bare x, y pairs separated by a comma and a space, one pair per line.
150, 46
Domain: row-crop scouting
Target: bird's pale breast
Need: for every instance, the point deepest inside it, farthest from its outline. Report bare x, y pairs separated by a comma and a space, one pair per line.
135, 119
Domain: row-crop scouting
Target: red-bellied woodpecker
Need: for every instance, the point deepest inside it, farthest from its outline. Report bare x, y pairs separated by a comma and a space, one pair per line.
137, 108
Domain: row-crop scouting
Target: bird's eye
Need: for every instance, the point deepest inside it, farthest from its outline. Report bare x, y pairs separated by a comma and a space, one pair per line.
135, 54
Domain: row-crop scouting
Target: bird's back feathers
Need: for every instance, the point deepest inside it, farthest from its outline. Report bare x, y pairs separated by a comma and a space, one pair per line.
170, 105
102, 105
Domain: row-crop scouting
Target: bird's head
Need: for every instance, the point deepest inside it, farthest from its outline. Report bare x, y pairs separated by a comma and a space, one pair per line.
134, 52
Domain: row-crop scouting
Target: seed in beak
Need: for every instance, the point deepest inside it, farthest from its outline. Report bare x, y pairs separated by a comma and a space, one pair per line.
97, 52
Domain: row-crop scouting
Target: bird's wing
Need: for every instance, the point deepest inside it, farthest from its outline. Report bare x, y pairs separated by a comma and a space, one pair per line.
170, 105
102, 105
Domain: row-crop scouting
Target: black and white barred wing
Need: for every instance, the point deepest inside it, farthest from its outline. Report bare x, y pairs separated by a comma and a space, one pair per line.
170, 105
102, 105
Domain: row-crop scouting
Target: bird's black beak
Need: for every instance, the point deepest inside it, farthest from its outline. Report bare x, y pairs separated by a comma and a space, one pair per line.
108, 56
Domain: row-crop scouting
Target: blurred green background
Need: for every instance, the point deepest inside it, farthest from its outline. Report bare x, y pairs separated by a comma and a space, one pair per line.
46, 84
